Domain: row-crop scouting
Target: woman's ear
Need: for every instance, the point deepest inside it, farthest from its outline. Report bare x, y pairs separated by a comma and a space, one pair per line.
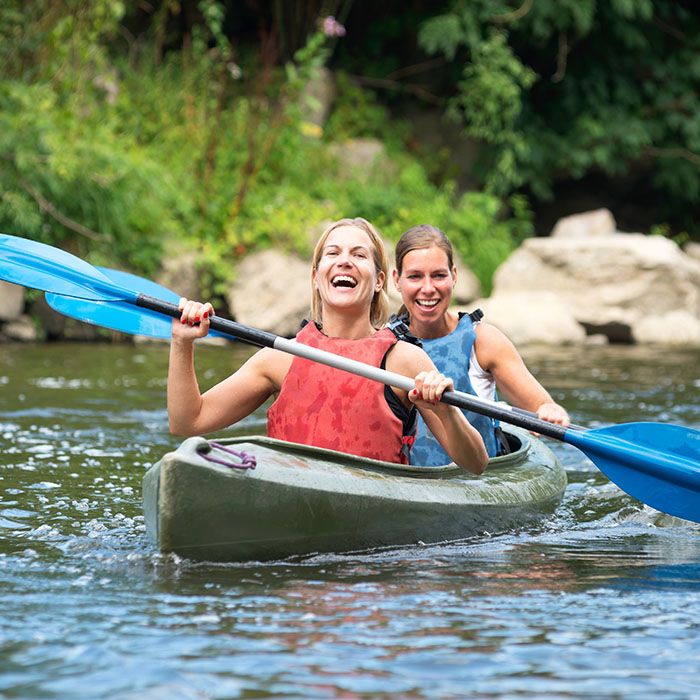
395, 276
454, 276
380, 281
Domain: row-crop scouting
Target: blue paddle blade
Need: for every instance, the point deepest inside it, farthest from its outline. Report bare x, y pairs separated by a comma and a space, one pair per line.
123, 316
39, 266
656, 463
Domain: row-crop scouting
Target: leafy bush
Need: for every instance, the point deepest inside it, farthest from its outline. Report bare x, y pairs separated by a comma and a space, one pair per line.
110, 154
71, 175
561, 90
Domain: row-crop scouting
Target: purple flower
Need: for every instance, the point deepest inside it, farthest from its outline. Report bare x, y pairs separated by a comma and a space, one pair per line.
331, 27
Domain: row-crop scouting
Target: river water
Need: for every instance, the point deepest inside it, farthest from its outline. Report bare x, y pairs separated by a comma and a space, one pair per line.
602, 600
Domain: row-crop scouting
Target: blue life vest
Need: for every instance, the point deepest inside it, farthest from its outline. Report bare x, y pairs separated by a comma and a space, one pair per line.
451, 355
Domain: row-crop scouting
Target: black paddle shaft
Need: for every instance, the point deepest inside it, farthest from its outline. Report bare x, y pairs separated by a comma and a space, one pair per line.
253, 336
507, 414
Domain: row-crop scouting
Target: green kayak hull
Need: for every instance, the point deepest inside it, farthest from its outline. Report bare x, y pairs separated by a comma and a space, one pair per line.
300, 500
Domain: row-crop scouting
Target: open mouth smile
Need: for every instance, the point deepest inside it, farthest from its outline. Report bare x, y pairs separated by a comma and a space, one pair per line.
427, 303
344, 281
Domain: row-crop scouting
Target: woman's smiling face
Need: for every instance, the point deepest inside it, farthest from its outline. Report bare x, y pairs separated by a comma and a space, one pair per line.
345, 275
426, 283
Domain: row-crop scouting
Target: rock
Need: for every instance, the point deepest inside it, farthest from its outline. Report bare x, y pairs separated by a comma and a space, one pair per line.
692, 249
21, 329
11, 301
680, 329
50, 321
530, 318
86, 332
591, 223
611, 284
55, 326
443, 141
317, 97
361, 155
468, 287
179, 271
272, 291
313, 234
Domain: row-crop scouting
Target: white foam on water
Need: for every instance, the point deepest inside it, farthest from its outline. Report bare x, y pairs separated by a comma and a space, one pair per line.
61, 383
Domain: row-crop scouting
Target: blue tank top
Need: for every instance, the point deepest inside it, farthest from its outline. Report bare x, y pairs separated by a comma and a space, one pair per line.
451, 355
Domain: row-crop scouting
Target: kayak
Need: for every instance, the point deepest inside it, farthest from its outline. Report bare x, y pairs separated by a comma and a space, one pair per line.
257, 498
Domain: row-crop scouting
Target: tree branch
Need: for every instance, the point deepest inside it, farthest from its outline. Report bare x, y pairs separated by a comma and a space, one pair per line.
682, 153
670, 30
515, 15
62, 219
562, 56
387, 84
417, 68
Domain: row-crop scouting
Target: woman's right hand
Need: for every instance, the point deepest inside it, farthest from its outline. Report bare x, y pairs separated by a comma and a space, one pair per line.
194, 320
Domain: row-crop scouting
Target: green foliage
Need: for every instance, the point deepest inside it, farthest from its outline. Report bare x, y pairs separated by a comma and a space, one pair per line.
665, 230
357, 113
483, 230
70, 175
564, 88
110, 154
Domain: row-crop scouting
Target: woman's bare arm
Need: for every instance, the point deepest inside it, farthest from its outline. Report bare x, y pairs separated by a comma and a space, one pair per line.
497, 354
192, 413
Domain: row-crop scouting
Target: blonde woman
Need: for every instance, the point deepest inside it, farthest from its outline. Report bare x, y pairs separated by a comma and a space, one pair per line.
318, 405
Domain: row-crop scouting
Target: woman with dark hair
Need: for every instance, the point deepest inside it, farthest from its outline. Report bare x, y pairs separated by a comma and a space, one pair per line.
319, 405
476, 355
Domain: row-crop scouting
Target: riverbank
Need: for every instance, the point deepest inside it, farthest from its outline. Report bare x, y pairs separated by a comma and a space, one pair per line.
586, 284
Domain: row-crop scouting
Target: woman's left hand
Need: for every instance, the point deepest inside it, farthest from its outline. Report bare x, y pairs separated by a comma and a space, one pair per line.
430, 387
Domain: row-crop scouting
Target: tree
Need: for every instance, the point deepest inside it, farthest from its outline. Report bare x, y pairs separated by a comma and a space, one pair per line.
563, 89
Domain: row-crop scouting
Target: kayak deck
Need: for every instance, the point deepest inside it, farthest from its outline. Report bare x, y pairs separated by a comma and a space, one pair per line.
301, 500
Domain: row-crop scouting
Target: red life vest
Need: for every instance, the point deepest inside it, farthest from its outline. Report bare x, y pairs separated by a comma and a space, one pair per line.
327, 407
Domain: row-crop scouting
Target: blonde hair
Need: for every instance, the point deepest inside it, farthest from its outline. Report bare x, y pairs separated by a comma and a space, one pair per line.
418, 238
379, 309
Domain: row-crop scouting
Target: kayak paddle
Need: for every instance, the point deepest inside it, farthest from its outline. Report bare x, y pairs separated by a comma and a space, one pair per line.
120, 315
656, 463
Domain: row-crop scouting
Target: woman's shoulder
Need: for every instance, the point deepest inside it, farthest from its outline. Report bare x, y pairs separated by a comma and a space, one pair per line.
492, 346
487, 333
272, 364
407, 358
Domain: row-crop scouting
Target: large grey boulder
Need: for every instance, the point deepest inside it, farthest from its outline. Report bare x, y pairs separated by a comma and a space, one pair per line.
599, 222
630, 287
272, 291
531, 318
